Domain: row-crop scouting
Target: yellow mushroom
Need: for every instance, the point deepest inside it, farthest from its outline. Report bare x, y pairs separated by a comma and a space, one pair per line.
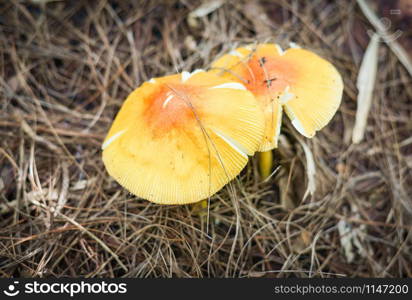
179, 139
298, 81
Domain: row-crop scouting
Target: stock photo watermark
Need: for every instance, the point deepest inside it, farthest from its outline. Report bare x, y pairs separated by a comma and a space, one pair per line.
71, 289
386, 29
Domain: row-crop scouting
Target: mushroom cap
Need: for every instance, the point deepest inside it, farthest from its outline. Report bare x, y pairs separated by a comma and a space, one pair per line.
298, 81
179, 139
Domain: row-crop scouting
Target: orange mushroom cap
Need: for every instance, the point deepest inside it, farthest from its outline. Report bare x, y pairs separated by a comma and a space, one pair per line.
180, 138
305, 85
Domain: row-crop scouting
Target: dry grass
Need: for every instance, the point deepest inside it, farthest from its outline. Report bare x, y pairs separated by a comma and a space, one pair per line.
65, 68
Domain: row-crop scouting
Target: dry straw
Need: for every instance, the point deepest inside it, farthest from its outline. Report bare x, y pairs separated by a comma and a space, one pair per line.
65, 68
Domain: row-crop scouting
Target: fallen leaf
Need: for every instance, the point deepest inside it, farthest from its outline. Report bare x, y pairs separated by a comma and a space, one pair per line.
365, 85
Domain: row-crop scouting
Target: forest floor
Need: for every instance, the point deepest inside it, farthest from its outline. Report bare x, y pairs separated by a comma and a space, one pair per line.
67, 66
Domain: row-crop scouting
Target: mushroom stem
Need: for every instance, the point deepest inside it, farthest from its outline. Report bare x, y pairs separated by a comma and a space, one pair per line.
200, 208
265, 163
